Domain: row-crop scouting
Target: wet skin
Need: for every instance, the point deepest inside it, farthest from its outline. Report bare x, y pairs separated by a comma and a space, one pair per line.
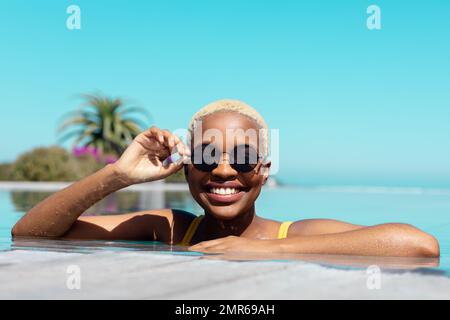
230, 223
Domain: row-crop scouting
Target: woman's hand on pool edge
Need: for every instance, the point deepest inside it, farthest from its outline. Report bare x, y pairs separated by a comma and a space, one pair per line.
236, 244
143, 160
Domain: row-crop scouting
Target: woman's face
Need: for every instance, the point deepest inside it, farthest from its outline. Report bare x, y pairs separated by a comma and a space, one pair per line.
225, 192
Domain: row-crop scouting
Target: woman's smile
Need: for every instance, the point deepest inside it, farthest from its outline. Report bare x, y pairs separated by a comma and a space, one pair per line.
224, 192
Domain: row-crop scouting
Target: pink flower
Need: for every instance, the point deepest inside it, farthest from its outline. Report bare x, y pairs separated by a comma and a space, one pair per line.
86, 150
94, 152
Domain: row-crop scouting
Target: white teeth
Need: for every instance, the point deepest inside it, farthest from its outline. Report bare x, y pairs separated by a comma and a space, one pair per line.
224, 191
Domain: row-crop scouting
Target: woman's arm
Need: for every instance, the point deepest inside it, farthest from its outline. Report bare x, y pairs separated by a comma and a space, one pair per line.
389, 240
142, 161
163, 225
55, 215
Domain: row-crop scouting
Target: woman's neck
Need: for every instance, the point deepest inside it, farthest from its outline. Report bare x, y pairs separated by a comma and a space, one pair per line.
217, 228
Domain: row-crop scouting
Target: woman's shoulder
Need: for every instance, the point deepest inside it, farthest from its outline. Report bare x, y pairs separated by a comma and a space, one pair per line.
177, 217
168, 225
308, 227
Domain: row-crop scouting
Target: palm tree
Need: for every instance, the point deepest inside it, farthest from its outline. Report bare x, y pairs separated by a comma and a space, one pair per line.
104, 123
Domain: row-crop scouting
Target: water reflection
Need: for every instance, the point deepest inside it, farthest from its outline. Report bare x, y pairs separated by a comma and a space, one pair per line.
86, 246
116, 203
25, 200
347, 262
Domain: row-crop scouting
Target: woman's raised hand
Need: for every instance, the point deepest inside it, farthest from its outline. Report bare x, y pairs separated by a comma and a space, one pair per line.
144, 159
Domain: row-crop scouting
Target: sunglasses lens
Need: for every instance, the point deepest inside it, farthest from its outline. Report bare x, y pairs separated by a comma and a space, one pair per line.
243, 167
244, 158
205, 167
206, 158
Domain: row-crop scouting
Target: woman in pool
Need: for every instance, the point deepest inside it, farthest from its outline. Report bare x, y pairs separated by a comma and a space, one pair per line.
226, 188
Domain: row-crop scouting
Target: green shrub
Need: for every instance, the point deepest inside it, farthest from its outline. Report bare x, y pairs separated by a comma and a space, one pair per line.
118, 202
52, 164
56, 164
5, 171
86, 165
177, 177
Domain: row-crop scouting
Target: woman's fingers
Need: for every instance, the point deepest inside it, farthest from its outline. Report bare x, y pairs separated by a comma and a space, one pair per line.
175, 144
152, 139
199, 248
217, 248
171, 140
181, 148
151, 155
162, 144
161, 138
211, 243
172, 167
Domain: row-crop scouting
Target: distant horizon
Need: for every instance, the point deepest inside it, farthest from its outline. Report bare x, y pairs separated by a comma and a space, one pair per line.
312, 178
361, 181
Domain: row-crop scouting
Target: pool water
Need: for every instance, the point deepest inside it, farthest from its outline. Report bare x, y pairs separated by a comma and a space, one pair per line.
427, 209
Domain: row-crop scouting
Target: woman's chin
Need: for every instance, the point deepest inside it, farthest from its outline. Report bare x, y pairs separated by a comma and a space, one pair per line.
224, 212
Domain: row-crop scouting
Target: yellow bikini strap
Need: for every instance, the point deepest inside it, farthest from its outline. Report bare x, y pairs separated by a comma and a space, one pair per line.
283, 231
190, 231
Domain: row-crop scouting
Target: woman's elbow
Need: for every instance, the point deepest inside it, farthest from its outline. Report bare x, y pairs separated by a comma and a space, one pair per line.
18, 231
429, 247
23, 229
417, 242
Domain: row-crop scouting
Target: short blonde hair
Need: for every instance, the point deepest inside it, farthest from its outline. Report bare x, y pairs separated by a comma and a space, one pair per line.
238, 107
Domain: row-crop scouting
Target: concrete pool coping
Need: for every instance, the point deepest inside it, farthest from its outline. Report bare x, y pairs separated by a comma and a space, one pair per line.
149, 275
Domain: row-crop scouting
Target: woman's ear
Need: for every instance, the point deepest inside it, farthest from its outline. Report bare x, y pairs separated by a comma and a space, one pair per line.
265, 171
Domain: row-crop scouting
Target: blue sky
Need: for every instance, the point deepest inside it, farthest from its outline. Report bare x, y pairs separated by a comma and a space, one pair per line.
353, 106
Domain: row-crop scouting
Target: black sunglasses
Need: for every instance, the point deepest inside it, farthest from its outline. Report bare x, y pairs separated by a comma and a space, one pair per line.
206, 158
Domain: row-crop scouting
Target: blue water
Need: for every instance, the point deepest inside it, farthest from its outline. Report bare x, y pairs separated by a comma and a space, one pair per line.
427, 209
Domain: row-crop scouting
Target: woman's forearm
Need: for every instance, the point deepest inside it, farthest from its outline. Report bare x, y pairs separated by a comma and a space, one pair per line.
395, 240
54, 216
